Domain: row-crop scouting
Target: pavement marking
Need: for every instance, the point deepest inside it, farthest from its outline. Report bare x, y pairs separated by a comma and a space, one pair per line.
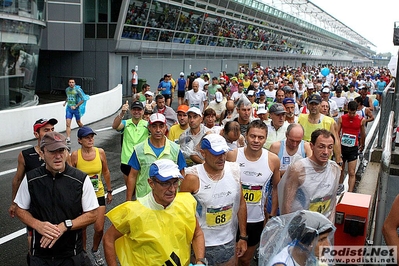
16, 148
12, 236
8, 171
22, 231
103, 129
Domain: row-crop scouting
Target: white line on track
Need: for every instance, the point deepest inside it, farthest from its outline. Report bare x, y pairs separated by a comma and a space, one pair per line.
22, 231
16, 148
8, 171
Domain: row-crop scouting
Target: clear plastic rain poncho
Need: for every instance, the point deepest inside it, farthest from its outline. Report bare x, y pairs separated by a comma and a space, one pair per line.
307, 185
293, 238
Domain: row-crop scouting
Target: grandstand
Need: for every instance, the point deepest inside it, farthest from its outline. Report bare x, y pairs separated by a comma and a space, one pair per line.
102, 40
236, 26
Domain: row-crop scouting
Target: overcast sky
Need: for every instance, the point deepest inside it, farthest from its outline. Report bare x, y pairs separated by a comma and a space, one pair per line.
373, 19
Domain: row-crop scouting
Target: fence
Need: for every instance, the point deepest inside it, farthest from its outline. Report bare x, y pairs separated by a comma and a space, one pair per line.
58, 84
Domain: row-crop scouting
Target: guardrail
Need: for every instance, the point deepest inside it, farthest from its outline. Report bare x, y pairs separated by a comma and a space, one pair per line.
383, 181
386, 104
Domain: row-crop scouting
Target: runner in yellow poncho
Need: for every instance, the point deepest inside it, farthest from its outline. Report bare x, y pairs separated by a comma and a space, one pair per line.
157, 229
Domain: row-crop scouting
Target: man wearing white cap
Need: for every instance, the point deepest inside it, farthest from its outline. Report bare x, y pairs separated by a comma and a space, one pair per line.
218, 104
156, 147
164, 224
190, 138
216, 186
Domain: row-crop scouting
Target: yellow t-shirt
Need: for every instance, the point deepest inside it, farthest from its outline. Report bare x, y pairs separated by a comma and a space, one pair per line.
325, 122
175, 132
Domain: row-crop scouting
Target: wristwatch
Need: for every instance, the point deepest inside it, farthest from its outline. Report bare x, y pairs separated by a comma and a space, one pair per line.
68, 224
245, 238
203, 260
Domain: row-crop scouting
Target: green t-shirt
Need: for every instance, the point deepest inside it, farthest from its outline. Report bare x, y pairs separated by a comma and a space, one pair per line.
132, 135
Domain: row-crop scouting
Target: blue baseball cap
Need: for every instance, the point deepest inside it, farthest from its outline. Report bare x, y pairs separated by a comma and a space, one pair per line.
215, 144
164, 169
288, 101
85, 131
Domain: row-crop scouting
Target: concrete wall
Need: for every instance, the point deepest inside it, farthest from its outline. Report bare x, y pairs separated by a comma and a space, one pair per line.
21, 120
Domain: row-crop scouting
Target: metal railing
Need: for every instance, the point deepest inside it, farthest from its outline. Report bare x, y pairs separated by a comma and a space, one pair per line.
386, 105
59, 84
383, 181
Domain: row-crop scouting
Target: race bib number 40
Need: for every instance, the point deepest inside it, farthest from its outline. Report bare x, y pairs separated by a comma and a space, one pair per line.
219, 216
252, 194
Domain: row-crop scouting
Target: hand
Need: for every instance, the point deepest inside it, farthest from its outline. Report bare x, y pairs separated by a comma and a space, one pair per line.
64, 104
109, 198
73, 107
11, 210
241, 247
125, 107
46, 242
48, 230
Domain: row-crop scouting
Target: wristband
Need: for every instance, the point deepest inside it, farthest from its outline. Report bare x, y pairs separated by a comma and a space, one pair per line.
109, 191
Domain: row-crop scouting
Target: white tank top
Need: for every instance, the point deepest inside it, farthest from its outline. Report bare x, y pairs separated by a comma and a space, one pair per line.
218, 204
318, 191
254, 178
286, 159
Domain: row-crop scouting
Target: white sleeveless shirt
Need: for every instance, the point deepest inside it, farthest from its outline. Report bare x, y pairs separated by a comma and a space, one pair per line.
254, 178
218, 203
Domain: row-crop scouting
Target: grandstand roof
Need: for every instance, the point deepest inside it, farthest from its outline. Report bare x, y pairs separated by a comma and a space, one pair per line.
308, 11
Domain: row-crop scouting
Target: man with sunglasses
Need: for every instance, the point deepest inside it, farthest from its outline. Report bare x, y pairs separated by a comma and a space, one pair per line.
216, 185
156, 147
164, 221
57, 201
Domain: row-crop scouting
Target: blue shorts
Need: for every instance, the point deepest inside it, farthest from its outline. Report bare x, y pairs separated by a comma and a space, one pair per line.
220, 254
379, 92
71, 113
